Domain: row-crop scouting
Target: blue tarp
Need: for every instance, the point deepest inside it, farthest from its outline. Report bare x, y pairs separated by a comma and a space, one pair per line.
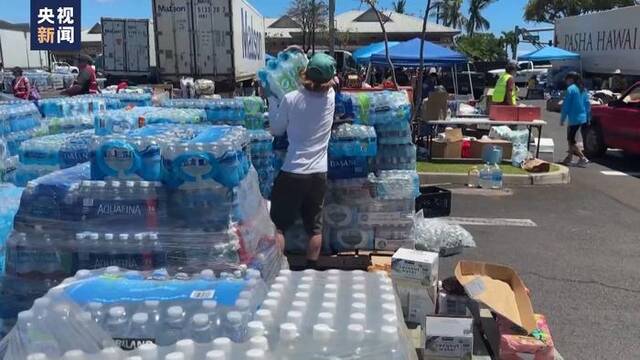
268, 57
408, 54
363, 54
549, 53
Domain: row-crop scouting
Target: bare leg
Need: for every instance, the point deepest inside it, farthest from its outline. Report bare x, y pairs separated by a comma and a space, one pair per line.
280, 240
315, 245
577, 151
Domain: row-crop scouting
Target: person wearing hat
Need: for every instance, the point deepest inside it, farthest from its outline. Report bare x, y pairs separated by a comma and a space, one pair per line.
86, 82
306, 115
505, 91
20, 85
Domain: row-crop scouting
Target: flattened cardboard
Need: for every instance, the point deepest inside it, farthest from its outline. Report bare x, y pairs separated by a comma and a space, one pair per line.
500, 288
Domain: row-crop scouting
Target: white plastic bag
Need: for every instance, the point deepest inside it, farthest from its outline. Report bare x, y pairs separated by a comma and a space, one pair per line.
439, 236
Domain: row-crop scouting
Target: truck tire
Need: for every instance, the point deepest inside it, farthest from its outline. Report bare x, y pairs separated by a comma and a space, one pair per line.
594, 145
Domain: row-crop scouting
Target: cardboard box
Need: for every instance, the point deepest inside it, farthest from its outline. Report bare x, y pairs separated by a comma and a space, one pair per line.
529, 113
516, 346
503, 112
446, 150
478, 145
457, 305
415, 265
500, 288
448, 337
417, 300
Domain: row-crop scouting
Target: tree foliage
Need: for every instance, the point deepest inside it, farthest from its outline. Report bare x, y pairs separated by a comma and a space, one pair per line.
510, 41
550, 10
482, 47
450, 12
476, 21
312, 17
400, 6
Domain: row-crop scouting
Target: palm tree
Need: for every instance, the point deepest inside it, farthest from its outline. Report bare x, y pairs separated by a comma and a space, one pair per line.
451, 14
399, 6
510, 40
476, 21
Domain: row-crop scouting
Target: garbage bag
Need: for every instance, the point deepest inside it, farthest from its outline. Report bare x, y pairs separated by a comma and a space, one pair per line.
439, 236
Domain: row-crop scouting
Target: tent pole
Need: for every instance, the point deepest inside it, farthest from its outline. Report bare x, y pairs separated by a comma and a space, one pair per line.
473, 96
455, 80
368, 73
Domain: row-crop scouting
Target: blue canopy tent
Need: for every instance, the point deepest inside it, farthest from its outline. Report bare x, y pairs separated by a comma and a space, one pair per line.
407, 54
363, 54
550, 53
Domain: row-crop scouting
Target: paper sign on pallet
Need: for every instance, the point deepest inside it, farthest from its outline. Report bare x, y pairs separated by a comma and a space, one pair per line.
416, 265
448, 337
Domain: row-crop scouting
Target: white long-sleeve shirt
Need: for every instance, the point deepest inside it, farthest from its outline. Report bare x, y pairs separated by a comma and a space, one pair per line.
306, 117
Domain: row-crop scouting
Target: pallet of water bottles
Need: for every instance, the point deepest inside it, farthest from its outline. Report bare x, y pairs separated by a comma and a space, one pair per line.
239, 111
114, 313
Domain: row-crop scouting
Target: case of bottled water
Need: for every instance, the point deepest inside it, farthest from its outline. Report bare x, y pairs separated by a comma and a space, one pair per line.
305, 315
262, 159
71, 106
121, 121
10, 196
239, 111
374, 107
130, 99
68, 124
352, 149
19, 121
282, 75
62, 150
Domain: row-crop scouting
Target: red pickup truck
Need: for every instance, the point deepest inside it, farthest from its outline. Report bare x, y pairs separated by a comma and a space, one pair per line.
616, 125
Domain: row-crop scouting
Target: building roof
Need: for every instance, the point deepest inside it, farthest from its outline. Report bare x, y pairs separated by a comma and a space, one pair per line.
92, 34
360, 21
281, 27
5, 25
365, 21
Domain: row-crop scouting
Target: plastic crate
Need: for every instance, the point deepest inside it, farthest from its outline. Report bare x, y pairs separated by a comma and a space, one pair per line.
434, 201
503, 113
529, 113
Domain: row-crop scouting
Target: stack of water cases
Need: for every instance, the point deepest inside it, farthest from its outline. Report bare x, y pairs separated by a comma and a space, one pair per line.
41, 80
19, 121
306, 315
68, 124
42, 155
390, 113
120, 121
10, 195
239, 111
262, 159
282, 74
71, 106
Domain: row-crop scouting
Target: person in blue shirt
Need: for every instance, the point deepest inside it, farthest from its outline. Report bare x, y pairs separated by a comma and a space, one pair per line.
576, 111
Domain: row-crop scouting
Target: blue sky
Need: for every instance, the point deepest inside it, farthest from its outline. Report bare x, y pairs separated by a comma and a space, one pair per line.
503, 14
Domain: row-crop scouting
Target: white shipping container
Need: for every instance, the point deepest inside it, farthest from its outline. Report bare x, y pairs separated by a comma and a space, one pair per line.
221, 40
126, 46
606, 41
15, 50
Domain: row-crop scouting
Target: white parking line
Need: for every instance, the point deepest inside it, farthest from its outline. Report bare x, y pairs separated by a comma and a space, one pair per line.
619, 173
489, 221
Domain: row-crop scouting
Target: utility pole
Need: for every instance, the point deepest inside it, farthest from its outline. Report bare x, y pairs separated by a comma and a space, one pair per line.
314, 23
332, 28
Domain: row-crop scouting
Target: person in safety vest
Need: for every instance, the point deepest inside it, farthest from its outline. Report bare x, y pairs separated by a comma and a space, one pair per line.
86, 82
505, 92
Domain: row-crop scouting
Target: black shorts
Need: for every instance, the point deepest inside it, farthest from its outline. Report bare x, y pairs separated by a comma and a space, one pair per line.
573, 130
298, 195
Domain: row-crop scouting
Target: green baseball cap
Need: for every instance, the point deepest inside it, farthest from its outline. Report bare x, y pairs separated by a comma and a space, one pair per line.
321, 68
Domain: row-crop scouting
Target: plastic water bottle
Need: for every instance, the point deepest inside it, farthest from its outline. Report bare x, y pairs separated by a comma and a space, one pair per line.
486, 177
117, 321
496, 177
173, 328
235, 328
201, 330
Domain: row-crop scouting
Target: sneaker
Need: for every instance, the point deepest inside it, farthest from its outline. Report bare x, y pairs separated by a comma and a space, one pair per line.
583, 163
567, 161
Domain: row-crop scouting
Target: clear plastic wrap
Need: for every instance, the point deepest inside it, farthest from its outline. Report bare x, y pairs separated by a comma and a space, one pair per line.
10, 196
333, 314
374, 107
262, 159
121, 121
130, 99
62, 150
19, 121
438, 236
352, 149
68, 124
239, 111
71, 106
282, 74
373, 213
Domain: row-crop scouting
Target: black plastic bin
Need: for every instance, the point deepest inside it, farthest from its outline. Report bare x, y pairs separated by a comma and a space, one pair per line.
434, 201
